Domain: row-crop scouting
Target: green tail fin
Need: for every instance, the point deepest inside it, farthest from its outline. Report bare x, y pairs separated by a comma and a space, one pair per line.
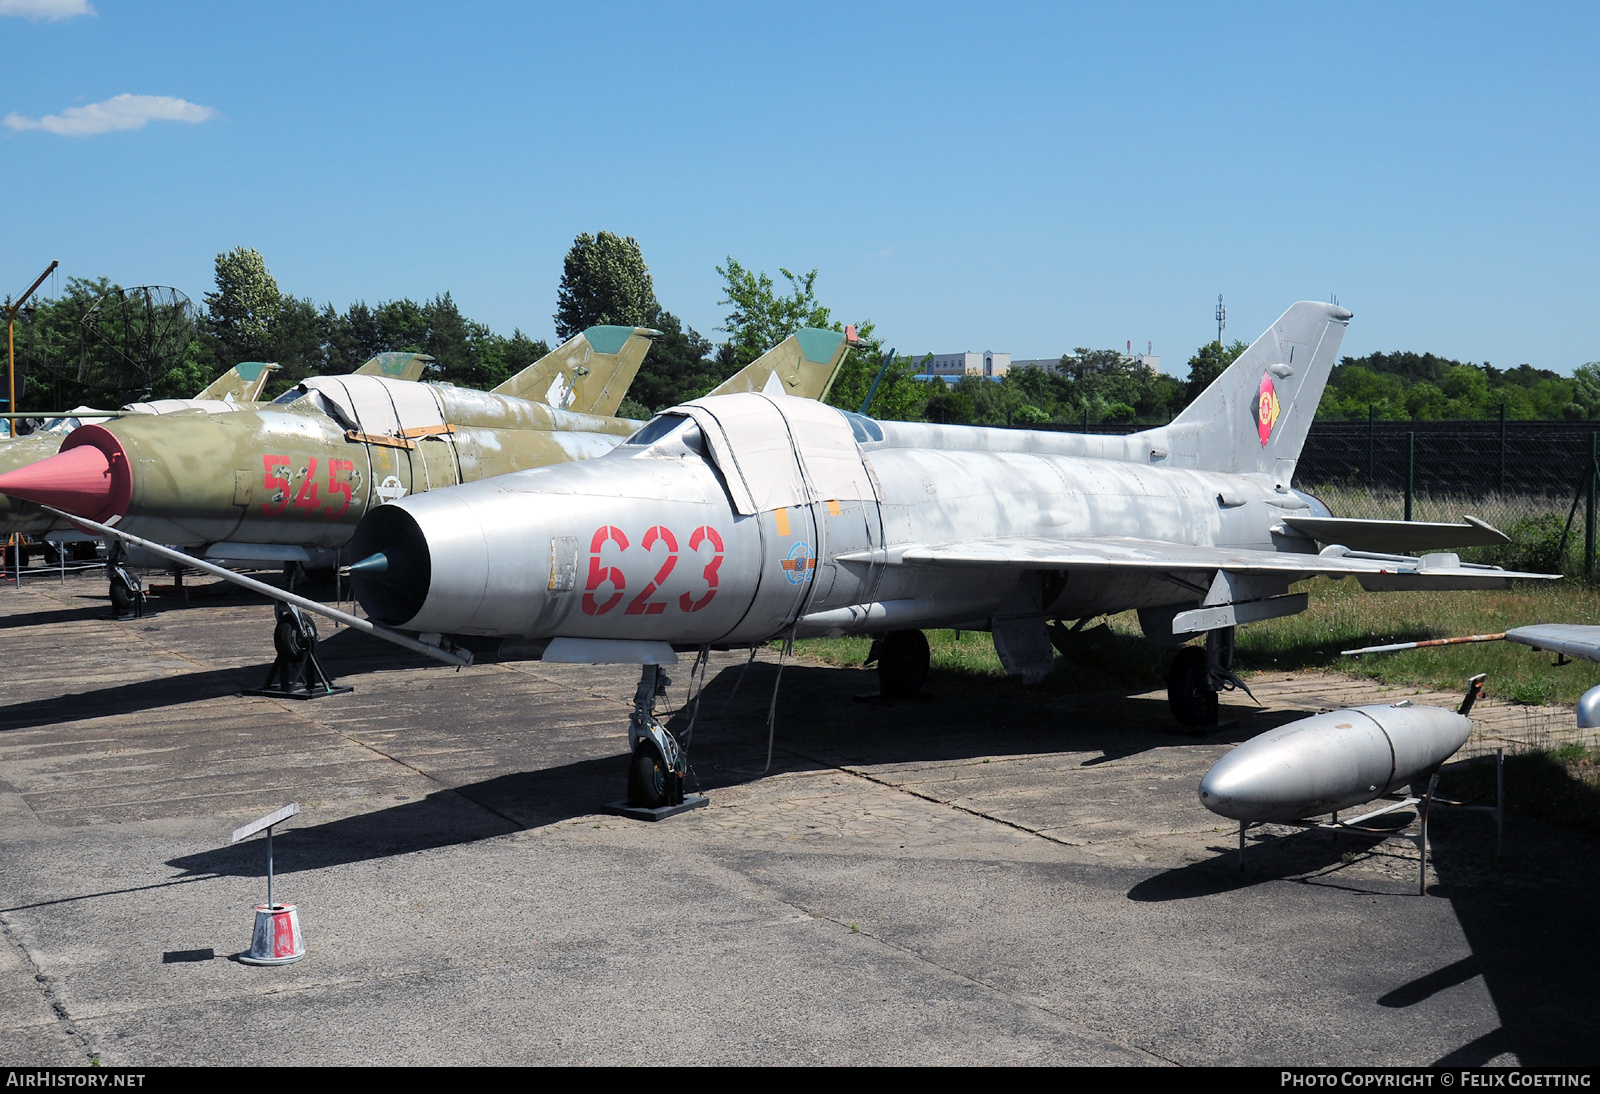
397, 366
803, 365
588, 373
243, 381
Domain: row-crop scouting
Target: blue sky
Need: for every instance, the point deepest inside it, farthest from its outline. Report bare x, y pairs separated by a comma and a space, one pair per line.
1017, 177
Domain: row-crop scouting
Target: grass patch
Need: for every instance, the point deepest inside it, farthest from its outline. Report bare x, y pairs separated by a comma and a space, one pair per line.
1341, 616
1133, 665
1559, 785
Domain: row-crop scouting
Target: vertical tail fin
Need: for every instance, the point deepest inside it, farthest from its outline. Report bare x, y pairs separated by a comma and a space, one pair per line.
244, 382
803, 365
396, 366
1255, 416
588, 373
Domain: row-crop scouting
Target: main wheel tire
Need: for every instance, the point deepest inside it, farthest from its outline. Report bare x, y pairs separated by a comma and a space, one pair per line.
1189, 692
647, 778
294, 638
124, 597
902, 663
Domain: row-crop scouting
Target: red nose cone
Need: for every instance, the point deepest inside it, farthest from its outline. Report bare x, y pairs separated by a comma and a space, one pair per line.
87, 478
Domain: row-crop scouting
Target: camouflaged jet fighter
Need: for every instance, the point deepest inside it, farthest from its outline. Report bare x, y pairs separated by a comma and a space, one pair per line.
237, 389
736, 519
288, 482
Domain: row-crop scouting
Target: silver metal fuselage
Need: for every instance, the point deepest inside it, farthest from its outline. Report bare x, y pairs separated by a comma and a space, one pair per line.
648, 542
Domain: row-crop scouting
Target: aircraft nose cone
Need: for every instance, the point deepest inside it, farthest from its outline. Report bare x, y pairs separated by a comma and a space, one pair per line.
87, 478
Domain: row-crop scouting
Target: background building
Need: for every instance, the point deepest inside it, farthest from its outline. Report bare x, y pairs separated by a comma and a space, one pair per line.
951, 367
1149, 359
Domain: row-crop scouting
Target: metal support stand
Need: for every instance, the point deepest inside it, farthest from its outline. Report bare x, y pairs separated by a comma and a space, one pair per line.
1422, 836
1425, 804
296, 673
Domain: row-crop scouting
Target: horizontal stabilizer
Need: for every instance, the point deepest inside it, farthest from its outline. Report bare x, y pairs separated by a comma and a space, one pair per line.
1571, 639
1398, 535
1126, 553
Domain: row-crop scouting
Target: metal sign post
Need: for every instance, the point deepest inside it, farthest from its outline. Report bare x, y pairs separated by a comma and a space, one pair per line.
276, 939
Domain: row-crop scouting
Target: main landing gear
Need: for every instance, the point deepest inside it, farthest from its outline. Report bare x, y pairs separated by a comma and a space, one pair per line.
1197, 675
658, 764
902, 658
127, 594
295, 672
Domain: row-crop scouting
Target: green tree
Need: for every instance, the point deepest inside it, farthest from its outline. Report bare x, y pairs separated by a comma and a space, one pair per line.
759, 318
604, 280
1210, 361
900, 397
1586, 388
244, 306
679, 367
465, 352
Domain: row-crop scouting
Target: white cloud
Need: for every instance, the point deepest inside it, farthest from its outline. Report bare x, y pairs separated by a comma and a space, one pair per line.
49, 10
119, 112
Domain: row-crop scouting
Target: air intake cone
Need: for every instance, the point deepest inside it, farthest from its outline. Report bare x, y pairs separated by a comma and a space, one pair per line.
87, 478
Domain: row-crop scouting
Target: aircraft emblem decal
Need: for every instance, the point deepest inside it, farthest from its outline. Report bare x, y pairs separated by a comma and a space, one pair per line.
1267, 409
390, 489
800, 564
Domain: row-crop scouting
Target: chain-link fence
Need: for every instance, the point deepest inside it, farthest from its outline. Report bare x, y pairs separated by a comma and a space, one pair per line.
1532, 480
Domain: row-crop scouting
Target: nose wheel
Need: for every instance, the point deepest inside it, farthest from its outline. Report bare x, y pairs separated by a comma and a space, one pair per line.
127, 594
651, 783
658, 764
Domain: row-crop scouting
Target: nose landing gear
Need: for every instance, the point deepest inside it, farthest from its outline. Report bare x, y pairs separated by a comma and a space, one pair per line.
658, 764
295, 672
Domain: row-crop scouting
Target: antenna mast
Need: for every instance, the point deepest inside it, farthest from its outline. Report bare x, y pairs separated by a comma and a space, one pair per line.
1222, 318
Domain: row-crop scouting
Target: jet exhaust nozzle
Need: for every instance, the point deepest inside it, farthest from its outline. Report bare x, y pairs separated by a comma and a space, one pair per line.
391, 583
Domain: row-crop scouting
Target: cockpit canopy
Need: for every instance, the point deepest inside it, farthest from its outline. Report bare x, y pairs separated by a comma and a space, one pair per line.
669, 431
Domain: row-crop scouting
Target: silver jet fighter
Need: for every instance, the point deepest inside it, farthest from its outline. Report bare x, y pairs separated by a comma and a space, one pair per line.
736, 519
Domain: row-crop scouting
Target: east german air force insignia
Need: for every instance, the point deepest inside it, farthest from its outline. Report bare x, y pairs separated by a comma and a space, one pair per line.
1267, 409
800, 564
